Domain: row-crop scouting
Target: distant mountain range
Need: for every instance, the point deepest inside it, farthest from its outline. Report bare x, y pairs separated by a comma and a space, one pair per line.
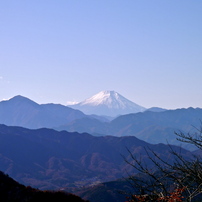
156, 109
108, 103
47, 159
21, 111
153, 127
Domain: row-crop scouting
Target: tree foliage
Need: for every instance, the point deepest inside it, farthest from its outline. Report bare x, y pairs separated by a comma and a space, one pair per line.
178, 178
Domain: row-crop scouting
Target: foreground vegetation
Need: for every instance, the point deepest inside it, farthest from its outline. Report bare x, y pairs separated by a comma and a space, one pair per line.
169, 181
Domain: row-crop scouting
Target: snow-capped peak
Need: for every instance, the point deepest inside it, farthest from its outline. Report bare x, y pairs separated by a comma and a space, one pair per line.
103, 97
108, 103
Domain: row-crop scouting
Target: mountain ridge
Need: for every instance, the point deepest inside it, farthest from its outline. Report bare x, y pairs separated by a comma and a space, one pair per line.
153, 127
21, 111
76, 160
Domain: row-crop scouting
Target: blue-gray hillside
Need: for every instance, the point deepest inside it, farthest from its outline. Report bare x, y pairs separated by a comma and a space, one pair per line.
21, 111
48, 159
153, 127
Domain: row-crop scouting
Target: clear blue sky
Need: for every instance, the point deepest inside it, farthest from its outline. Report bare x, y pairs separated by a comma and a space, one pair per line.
150, 51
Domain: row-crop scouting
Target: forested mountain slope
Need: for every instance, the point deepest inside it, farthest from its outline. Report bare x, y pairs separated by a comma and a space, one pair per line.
48, 159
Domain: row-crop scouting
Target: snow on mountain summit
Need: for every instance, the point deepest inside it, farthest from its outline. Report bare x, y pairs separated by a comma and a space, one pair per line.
109, 98
108, 103
104, 97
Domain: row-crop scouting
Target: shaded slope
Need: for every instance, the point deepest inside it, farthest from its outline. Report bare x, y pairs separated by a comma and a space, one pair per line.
48, 159
12, 191
115, 191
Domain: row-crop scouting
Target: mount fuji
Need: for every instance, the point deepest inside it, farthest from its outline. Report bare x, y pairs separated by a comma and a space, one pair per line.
108, 103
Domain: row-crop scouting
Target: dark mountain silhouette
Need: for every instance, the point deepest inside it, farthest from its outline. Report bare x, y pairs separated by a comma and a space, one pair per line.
48, 159
21, 111
154, 127
12, 191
